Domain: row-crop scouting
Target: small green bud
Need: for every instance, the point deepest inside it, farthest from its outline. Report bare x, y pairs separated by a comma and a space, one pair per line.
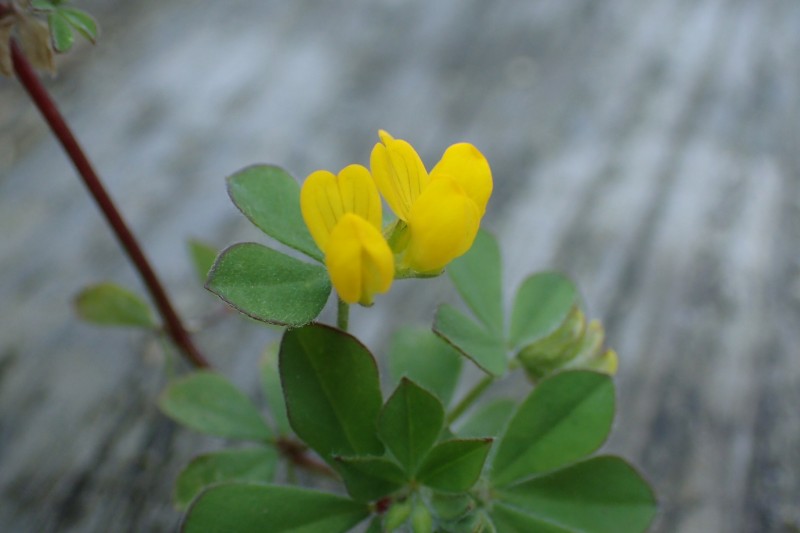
421, 520
396, 515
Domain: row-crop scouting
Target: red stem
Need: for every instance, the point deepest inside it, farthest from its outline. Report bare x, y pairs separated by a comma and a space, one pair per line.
173, 325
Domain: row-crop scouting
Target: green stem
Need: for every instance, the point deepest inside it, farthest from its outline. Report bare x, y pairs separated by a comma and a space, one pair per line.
343, 315
469, 399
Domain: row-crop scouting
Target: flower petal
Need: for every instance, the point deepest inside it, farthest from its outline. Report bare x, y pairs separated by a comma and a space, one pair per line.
443, 224
359, 260
325, 198
464, 163
398, 172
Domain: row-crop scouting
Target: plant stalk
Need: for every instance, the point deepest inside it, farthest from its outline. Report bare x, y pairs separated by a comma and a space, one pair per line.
173, 325
343, 315
467, 401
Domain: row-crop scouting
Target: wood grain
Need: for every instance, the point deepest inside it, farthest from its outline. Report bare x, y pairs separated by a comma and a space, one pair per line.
649, 149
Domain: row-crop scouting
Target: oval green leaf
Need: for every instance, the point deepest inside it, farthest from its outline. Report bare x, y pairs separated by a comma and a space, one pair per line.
370, 478
251, 464
270, 198
60, 31
207, 402
426, 359
484, 348
247, 508
268, 285
108, 304
478, 277
333, 396
81, 21
489, 419
565, 418
601, 495
454, 465
542, 304
409, 424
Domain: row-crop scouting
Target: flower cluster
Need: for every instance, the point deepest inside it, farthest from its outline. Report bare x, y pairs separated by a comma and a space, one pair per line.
438, 215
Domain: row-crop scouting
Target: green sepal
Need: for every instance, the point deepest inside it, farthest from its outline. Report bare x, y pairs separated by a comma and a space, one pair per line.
207, 402
484, 348
409, 424
248, 464
246, 508
333, 397
370, 478
454, 465
269, 286
478, 277
426, 359
270, 198
108, 304
565, 418
541, 305
600, 495
557, 349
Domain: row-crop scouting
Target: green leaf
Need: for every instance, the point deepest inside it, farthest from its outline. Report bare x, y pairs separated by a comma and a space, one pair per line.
250, 464
601, 495
203, 256
256, 508
81, 21
484, 348
330, 383
397, 514
273, 392
409, 424
207, 402
108, 304
451, 506
454, 465
478, 278
375, 526
421, 519
270, 198
507, 518
60, 31
268, 285
489, 419
426, 359
565, 418
370, 478
542, 303
42, 5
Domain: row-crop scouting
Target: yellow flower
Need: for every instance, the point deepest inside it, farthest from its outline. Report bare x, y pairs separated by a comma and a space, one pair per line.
442, 210
343, 215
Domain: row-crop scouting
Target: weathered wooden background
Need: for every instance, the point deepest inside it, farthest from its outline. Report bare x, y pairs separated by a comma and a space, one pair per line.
649, 149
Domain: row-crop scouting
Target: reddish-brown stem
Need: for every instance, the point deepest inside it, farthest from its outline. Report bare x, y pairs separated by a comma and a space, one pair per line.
172, 323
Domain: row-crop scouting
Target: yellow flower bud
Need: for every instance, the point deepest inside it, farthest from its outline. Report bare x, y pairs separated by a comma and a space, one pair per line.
443, 210
343, 215
359, 261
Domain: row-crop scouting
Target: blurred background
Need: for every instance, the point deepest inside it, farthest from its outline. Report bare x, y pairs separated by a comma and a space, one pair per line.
648, 149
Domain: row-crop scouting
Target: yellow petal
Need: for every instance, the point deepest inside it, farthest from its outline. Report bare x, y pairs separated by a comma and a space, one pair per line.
325, 198
359, 261
398, 172
442, 223
464, 163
